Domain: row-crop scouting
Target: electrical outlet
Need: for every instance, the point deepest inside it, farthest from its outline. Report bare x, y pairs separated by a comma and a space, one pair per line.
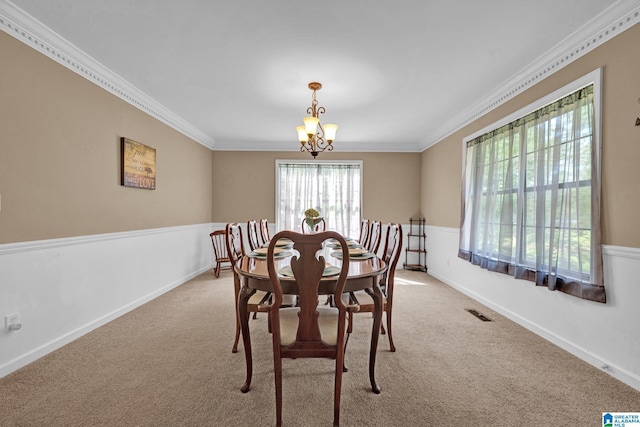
12, 322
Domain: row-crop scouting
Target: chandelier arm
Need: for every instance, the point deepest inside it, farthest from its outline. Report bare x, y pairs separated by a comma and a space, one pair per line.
320, 141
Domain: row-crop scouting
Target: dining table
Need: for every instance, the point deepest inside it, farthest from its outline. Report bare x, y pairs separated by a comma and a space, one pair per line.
364, 274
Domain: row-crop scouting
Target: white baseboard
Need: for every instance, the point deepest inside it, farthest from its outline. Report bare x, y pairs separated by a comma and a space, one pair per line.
65, 288
604, 322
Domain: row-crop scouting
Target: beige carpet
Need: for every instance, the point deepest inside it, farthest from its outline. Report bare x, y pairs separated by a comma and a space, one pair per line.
169, 363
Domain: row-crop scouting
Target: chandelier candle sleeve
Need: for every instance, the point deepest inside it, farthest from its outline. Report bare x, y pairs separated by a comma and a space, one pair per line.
302, 135
330, 132
311, 125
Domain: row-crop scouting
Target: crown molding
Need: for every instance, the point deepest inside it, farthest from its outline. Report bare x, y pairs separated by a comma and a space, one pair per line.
621, 16
17, 23
343, 146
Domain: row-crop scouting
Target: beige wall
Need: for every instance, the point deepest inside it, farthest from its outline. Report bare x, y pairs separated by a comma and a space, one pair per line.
442, 163
245, 184
59, 157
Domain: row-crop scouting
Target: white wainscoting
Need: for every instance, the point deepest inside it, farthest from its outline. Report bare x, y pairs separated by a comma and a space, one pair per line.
605, 335
65, 288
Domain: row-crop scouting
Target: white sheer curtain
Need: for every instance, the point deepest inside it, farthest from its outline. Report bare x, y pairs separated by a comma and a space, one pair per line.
333, 189
531, 202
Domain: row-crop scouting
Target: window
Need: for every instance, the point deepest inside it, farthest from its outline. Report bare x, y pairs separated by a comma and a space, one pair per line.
332, 188
531, 194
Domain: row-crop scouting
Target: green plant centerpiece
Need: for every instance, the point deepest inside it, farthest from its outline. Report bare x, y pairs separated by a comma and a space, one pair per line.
312, 218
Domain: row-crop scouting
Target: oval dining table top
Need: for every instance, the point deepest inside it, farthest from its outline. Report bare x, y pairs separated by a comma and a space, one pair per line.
255, 267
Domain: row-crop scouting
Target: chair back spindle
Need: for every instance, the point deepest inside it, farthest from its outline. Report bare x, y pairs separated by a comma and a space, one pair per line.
264, 231
364, 232
252, 234
375, 234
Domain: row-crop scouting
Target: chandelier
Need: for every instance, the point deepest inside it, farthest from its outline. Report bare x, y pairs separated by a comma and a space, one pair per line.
313, 136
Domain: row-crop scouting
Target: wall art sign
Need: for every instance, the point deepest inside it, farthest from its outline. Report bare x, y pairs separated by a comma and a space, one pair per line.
138, 165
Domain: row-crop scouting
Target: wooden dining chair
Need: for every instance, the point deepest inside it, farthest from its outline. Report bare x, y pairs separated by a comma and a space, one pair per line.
235, 249
364, 232
364, 299
219, 242
320, 226
309, 330
252, 235
264, 231
375, 234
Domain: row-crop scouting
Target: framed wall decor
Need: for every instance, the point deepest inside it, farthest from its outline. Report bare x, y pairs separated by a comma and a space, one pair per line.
138, 165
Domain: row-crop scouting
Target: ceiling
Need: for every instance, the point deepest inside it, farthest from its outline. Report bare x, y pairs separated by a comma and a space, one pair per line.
396, 75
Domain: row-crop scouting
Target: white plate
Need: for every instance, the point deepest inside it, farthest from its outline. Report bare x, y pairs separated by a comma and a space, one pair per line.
263, 251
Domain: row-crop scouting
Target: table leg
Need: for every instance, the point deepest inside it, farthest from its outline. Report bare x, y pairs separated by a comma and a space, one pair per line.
375, 334
245, 294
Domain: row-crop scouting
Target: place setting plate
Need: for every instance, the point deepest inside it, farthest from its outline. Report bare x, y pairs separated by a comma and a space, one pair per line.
350, 244
335, 244
277, 253
281, 243
329, 270
354, 254
346, 239
284, 243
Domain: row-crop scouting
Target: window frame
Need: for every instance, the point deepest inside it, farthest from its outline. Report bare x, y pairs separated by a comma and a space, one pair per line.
593, 78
